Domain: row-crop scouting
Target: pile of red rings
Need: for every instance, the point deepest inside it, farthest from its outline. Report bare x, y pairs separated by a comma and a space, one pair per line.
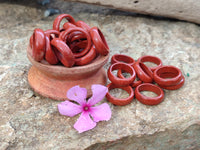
76, 43
143, 78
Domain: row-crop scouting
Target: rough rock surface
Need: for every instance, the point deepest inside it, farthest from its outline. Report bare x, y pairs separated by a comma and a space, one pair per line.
179, 9
30, 121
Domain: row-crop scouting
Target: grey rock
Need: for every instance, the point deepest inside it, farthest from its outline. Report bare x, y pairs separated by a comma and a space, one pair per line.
30, 121
51, 11
179, 9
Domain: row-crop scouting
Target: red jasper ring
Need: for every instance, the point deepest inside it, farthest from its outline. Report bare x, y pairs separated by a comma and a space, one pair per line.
119, 81
50, 31
77, 46
87, 58
122, 58
118, 101
68, 25
57, 21
173, 87
149, 100
87, 48
143, 72
38, 44
76, 36
172, 76
83, 25
99, 41
63, 52
134, 84
50, 55
153, 59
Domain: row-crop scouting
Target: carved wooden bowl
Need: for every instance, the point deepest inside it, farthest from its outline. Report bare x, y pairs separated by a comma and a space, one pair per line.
53, 81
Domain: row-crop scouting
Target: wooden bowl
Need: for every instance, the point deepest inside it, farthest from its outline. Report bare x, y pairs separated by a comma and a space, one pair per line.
53, 81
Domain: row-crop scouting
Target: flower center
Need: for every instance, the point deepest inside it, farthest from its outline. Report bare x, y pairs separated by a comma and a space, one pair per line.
86, 108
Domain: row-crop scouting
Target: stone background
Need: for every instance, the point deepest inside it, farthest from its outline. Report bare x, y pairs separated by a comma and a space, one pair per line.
30, 121
179, 9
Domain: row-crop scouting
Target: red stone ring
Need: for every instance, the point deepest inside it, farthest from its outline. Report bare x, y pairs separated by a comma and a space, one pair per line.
58, 19
77, 46
76, 36
87, 58
50, 31
65, 34
153, 59
173, 87
63, 52
83, 25
99, 41
143, 72
134, 84
149, 100
172, 76
118, 101
122, 58
50, 55
68, 25
38, 44
119, 81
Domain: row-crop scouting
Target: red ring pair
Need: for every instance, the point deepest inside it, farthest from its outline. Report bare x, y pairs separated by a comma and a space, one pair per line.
140, 97
122, 83
169, 77
145, 73
117, 58
121, 62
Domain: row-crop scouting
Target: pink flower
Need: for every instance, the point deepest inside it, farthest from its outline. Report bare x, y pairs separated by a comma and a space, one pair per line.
90, 115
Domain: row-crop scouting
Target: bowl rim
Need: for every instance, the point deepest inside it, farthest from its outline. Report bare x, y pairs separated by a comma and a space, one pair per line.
97, 63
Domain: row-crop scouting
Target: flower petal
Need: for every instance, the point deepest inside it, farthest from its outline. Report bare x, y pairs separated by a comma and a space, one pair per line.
77, 94
68, 108
101, 112
99, 92
84, 123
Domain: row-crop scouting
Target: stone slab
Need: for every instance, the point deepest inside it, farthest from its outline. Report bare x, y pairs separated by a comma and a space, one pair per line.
30, 121
179, 9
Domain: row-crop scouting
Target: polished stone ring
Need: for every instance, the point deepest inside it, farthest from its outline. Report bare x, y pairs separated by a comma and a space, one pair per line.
143, 72
152, 59
119, 101
87, 58
149, 100
38, 42
99, 41
63, 52
65, 34
172, 87
50, 55
122, 58
167, 76
121, 81
134, 84
58, 19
